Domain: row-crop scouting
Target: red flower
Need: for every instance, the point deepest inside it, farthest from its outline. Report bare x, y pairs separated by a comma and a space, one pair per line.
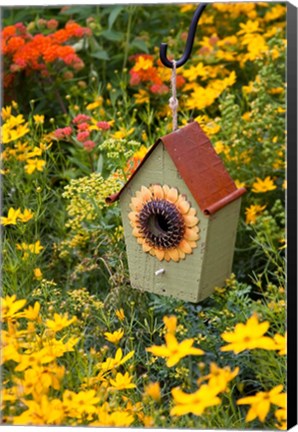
82, 136
89, 145
103, 125
81, 118
62, 133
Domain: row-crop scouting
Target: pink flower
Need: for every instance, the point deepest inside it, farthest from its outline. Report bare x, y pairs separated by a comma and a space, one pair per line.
82, 136
159, 88
80, 118
52, 24
103, 125
62, 132
89, 145
135, 78
83, 126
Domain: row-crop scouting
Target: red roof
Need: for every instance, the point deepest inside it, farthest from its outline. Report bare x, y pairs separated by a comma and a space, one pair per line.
200, 167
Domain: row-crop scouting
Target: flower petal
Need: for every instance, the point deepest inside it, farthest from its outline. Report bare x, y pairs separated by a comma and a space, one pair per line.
172, 195
157, 191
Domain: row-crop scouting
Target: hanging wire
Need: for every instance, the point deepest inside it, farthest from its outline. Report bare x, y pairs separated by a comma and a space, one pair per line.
189, 43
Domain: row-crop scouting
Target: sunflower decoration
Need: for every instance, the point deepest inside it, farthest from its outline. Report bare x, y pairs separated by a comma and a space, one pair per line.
163, 222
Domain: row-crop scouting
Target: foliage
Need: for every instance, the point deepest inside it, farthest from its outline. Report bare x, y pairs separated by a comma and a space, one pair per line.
85, 97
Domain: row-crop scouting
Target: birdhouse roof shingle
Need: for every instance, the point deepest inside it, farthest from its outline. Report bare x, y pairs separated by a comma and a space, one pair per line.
200, 167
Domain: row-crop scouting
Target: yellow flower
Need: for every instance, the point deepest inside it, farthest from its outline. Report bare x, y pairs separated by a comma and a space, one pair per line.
122, 382
219, 377
123, 133
11, 218
248, 336
281, 343
42, 412
260, 186
120, 314
143, 63
112, 363
281, 416
37, 273
114, 337
171, 323
253, 212
39, 119
32, 313
26, 215
97, 103
142, 97
163, 222
59, 322
239, 184
249, 27
260, 403
174, 351
34, 248
6, 113
194, 403
34, 164
10, 307
115, 419
275, 12
78, 404
153, 390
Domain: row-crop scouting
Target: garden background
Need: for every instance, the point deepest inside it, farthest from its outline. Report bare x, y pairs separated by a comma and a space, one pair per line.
85, 97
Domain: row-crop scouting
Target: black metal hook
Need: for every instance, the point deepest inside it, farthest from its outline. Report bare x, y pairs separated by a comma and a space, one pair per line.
189, 43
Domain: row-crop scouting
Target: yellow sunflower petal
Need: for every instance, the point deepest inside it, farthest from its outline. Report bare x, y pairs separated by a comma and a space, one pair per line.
146, 247
191, 234
133, 216
140, 240
172, 195
185, 247
190, 221
136, 232
157, 191
192, 244
146, 194
182, 205
181, 253
174, 254
136, 204
160, 254
166, 189
167, 256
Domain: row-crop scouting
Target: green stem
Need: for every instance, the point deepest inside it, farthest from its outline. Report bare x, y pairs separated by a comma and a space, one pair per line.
128, 31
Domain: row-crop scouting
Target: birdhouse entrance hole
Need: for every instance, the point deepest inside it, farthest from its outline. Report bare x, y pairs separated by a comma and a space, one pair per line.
158, 224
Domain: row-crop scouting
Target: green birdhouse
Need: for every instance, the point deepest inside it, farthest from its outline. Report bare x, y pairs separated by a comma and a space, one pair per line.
180, 211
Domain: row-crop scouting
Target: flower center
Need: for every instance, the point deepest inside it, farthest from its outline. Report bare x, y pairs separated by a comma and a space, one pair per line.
161, 224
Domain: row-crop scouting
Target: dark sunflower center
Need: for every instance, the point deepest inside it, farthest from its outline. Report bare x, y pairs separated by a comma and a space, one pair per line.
161, 224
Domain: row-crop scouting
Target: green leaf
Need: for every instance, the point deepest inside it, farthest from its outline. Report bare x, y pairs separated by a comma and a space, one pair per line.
140, 44
99, 164
101, 55
114, 14
112, 35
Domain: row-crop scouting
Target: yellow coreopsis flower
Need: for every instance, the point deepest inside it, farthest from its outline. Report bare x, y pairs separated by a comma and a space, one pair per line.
122, 382
261, 186
6, 112
39, 119
252, 212
261, 402
123, 133
42, 412
249, 27
32, 313
173, 350
34, 165
142, 97
59, 322
153, 390
143, 63
171, 323
26, 215
120, 314
114, 337
219, 377
11, 218
112, 363
281, 416
248, 336
37, 273
115, 419
281, 343
194, 403
10, 307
